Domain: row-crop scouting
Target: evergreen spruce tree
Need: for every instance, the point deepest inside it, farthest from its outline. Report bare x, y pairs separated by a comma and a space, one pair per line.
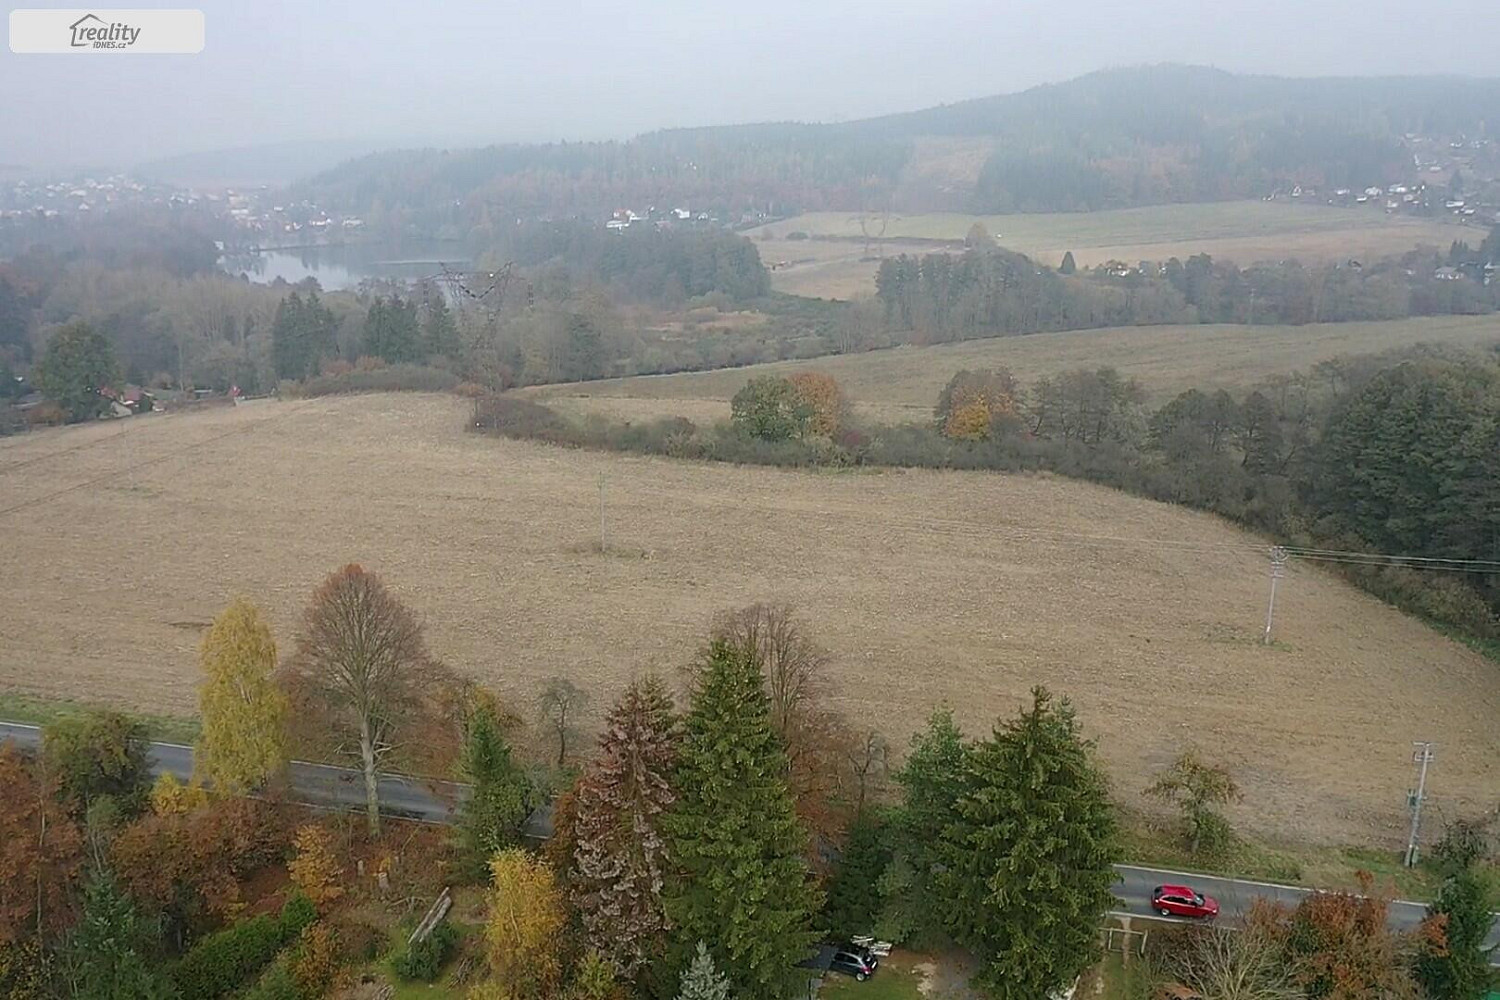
701, 981
1069, 266
1460, 970
739, 879
440, 334
931, 781
1029, 859
854, 894
501, 797
619, 852
103, 962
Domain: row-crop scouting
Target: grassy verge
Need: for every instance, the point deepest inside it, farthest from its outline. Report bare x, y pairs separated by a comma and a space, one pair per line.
1156, 845
1115, 980
1485, 647
894, 980
16, 707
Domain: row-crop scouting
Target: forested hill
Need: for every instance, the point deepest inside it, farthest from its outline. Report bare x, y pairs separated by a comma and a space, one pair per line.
1110, 139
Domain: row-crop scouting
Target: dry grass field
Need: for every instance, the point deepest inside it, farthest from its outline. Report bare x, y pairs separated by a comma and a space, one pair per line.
1241, 231
123, 539
902, 384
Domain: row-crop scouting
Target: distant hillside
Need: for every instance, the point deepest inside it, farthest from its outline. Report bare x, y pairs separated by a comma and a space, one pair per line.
274, 163
1111, 139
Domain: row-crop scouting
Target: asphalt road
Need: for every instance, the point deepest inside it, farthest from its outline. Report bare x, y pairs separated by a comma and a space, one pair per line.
434, 801
318, 785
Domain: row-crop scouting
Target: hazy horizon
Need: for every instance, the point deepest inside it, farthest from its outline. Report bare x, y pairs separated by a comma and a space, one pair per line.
387, 75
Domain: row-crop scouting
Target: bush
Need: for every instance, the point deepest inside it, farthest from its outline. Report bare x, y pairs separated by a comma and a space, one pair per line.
46, 414
277, 984
395, 378
424, 959
223, 961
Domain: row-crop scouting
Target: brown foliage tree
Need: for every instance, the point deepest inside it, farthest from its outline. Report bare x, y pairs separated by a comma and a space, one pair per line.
824, 399
360, 671
188, 866
1340, 946
41, 852
619, 852
316, 869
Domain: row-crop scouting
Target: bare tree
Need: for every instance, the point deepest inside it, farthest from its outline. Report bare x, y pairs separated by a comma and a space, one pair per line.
1226, 964
359, 670
560, 701
869, 763
792, 663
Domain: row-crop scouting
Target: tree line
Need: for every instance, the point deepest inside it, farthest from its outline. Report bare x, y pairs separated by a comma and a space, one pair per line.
987, 292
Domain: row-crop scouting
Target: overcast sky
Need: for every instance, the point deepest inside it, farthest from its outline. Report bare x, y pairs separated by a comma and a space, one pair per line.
402, 73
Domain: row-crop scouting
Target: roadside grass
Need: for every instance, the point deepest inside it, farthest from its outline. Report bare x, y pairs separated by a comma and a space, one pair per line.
29, 709
896, 979
1154, 844
1115, 980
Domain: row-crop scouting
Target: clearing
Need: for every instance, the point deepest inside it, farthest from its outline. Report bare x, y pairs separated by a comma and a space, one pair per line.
901, 384
839, 260
123, 539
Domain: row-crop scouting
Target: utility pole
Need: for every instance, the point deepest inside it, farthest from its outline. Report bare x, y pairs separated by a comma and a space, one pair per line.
1278, 570
601, 512
1421, 756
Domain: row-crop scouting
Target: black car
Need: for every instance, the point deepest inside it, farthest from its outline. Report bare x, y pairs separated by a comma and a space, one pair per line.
854, 961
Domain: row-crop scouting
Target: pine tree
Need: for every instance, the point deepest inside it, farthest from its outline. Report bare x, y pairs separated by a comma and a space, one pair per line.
701, 981
103, 962
501, 796
739, 882
931, 782
1029, 859
853, 895
619, 853
440, 334
1460, 970
243, 743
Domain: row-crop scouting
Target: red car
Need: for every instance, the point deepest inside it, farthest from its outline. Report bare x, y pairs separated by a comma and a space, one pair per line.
1183, 901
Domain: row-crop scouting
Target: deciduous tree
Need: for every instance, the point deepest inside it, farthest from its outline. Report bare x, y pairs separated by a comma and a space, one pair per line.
824, 400
360, 666
526, 918
560, 702
315, 868
770, 408
739, 881
1198, 788
98, 753
77, 363
619, 861
41, 852
1029, 859
243, 743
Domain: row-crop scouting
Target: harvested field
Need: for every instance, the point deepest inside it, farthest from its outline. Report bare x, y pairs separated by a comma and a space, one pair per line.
833, 264
122, 539
902, 384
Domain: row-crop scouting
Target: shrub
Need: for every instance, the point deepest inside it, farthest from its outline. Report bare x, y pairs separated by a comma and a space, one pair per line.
277, 984
395, 378
46, 414
424, 959
223, 961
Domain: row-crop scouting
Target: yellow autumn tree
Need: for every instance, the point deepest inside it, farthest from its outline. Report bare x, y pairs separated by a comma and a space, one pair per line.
170, 797
243, 743
823, 397
525, 922
972, 401
315, 869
